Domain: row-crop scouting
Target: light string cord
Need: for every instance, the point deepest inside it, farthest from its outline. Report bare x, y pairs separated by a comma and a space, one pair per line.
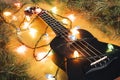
34, 55
19, 30
11, 24
13, 14
35, 47
24, 4
14, 26
20, 8
22, 23
56, 73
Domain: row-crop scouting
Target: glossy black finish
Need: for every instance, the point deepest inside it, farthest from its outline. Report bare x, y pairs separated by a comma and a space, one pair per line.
76, 68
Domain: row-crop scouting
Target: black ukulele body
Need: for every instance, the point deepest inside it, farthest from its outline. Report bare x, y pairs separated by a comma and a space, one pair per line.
80, 68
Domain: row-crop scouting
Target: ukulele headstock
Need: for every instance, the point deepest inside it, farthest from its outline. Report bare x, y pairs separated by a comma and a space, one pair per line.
32, 10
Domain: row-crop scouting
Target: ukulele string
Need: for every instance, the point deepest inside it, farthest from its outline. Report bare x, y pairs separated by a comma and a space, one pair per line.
98, 56
48, 19
63, 34
79, 47
89, 45
92, 47
95, 57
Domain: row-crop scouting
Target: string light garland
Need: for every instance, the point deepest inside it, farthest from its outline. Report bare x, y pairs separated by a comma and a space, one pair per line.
19, 29
38, 10
6, 13
24, 26
17, 4
21, 49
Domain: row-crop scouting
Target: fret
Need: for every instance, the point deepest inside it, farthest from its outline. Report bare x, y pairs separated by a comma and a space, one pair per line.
54, 24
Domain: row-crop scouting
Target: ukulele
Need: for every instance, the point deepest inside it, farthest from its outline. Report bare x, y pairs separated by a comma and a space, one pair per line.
96, 61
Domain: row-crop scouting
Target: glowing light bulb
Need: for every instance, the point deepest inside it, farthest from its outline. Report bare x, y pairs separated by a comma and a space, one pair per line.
41, 55
54, 10
18, 5
74, 31
110, 48
7, 13
65, 21
74, 34
14, 18
32, 32
72, 37
27, 18
71, 17
21, 49
50, 77
46, 37
25, 25
38, 10
76, 54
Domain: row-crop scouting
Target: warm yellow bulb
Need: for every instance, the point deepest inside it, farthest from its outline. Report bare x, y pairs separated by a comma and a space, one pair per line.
14, 18
7, 13
71, 17
110, 48
27, 18
41, 56
32, 32
74, 31
21, 49
65, 21
76, 54
38, 10
18, 5
54, 10
25, 25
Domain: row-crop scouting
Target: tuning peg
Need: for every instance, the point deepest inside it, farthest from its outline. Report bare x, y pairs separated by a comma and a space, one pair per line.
32, 10
28, 11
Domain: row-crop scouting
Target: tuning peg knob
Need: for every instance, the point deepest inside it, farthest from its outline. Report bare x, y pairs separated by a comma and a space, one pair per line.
32, 10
